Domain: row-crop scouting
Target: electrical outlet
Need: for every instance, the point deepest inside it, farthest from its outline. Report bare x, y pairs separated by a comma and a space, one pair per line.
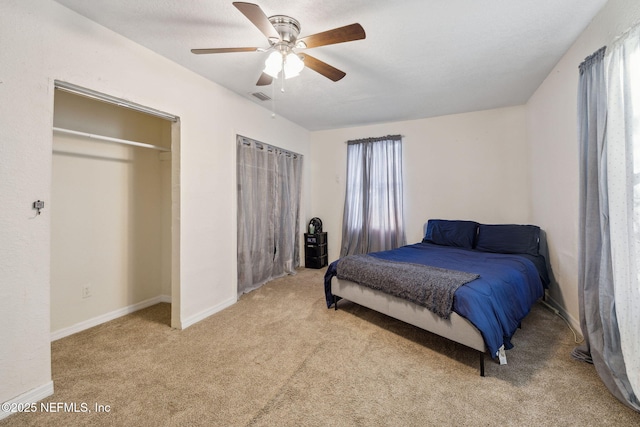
86, 291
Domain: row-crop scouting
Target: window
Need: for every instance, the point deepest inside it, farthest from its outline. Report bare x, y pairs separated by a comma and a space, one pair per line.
373, 216
623, 192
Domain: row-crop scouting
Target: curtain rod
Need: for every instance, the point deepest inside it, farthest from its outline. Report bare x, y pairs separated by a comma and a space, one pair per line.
375, 139
78, 90
110, 139
262, 145
594, 57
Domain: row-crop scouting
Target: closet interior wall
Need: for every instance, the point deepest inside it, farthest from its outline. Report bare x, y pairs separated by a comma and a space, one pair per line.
110, 212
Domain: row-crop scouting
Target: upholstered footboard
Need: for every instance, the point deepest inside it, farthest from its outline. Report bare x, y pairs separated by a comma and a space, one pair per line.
456, 328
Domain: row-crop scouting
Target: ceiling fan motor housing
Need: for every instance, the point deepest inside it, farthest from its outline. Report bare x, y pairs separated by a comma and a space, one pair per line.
287, 27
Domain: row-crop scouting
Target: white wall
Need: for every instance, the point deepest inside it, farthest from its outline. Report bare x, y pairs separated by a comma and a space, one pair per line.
41, 41
464, 166
553, 141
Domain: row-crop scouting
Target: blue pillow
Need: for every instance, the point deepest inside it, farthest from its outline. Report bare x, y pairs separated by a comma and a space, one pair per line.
508, 239
460, 234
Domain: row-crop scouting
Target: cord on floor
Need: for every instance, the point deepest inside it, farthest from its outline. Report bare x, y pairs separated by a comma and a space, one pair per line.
557, 313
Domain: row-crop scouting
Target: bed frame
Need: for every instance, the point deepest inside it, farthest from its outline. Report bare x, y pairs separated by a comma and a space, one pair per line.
456, 328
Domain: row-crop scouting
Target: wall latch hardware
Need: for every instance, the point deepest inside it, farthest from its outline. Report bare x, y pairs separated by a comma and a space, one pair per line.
38, 205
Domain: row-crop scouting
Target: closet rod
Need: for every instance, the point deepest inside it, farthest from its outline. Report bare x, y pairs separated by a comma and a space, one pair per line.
110, 139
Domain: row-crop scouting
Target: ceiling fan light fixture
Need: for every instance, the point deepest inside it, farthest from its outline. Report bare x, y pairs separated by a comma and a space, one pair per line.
273, 64
277, 61
293, 65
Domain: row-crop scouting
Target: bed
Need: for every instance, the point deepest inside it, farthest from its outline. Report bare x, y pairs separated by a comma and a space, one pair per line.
469, 282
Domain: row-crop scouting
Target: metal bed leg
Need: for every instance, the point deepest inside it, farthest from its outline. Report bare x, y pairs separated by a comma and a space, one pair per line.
482, 364
335, 302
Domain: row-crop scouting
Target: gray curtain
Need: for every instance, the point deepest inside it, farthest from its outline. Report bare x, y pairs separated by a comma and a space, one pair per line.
373, 217
598, 320
269, 187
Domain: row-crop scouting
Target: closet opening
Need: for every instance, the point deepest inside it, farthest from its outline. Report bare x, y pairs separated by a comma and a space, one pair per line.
114, 210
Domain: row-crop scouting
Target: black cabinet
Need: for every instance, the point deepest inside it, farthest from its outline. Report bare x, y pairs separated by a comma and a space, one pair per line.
315, 250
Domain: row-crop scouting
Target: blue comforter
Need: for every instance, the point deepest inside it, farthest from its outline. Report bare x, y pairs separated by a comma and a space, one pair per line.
495, 303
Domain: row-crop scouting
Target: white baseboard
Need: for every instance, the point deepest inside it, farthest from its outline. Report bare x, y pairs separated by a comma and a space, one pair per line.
65, 332
206, 313
24, 399
163, 298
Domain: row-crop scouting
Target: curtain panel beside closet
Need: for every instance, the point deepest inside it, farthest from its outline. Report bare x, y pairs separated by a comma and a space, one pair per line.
269, 190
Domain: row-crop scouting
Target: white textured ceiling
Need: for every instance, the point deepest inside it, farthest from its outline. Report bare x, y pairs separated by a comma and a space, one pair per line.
420, 58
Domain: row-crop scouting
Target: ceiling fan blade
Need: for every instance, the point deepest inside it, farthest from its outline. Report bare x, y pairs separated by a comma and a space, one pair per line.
347, 33
322, 67
224, 50
264, 80
258, 18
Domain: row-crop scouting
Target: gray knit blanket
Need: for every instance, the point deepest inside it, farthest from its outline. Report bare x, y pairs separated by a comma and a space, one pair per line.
427, 286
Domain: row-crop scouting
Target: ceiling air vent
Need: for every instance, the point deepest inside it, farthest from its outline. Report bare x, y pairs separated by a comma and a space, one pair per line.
261, 96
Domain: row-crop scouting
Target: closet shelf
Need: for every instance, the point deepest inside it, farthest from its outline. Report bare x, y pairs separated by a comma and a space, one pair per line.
110, 139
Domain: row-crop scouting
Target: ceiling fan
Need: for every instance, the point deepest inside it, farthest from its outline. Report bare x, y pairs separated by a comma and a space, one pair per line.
282, 33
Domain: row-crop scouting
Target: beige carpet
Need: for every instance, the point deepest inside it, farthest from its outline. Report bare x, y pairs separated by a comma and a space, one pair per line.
279, 357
